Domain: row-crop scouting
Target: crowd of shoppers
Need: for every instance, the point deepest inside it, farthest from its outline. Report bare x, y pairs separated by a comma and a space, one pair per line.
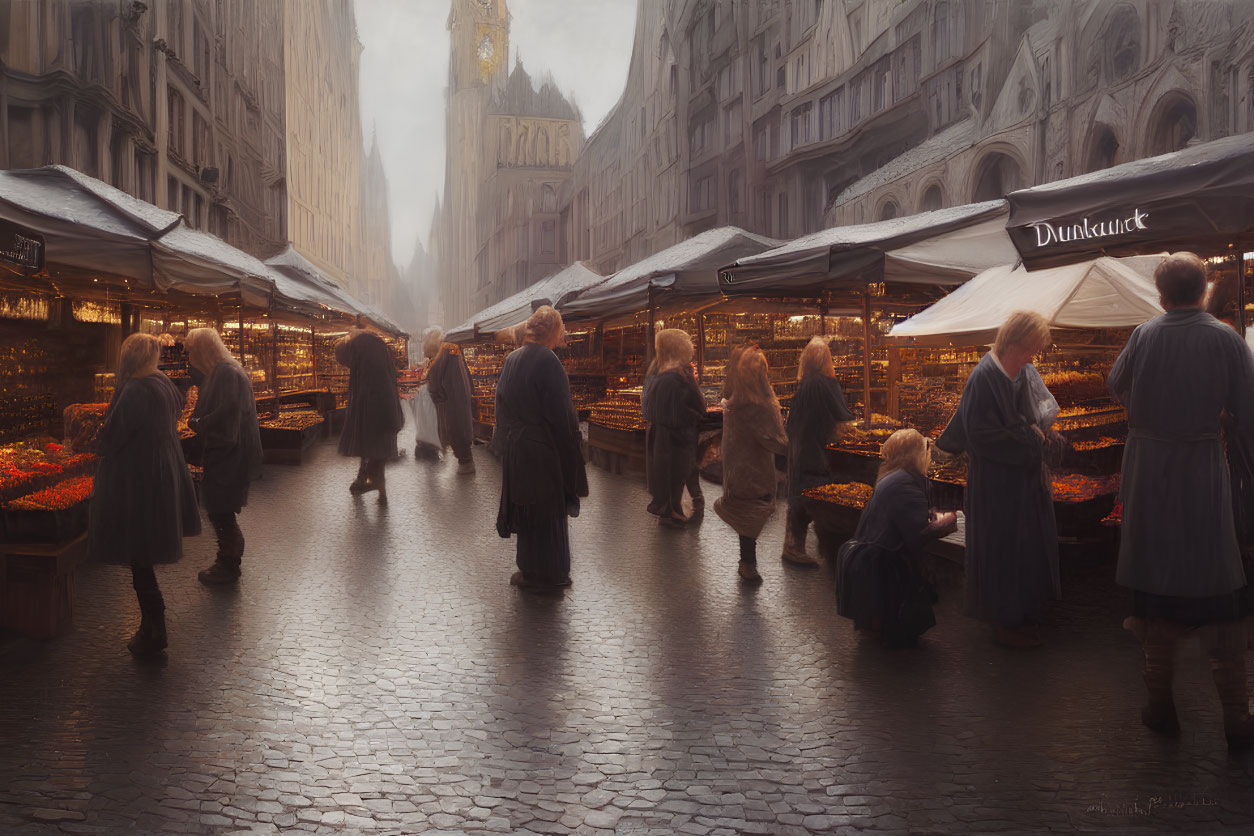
1186, 379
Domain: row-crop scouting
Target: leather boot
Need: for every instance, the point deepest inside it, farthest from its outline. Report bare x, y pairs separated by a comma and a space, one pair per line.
378, 482
362, 483
150, 639
226, 566
795, 549
1227, 665
1159, 713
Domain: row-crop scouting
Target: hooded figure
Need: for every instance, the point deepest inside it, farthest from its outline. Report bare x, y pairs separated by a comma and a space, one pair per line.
373, 415
143, 503
542, 468
448, 380
225, 421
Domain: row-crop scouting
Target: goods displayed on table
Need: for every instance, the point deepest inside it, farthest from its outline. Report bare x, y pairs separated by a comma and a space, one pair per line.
855, 437
82, 422
849, 494
299, 419
58, 497
620, 410
40, 480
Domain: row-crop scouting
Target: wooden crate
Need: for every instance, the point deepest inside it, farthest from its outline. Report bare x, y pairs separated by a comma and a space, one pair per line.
37, 595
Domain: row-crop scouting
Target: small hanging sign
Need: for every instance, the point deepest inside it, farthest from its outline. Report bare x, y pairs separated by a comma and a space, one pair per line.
21, 247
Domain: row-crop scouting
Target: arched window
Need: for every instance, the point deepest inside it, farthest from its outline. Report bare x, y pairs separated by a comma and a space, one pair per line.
1103, 149
888, 210
1174, 123
997, 175
1121, 42
932, 199
548, 199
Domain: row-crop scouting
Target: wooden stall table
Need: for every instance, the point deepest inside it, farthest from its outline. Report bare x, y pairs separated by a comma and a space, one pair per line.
38, 589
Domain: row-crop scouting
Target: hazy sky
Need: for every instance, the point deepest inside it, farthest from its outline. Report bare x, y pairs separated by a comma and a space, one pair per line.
585, 44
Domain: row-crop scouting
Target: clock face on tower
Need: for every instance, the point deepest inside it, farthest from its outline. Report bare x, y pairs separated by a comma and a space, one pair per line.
487, 54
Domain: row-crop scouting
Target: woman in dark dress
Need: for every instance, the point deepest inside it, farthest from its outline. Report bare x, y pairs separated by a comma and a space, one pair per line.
880, 584
816, 409
673, 405
143, 503
225, 420
448, 380
542, 467
373, 416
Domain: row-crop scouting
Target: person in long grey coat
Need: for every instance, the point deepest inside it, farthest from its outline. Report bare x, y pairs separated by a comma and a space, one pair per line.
373, 416
448, 380
817, 407
143, 503
1178, 552
1011, 535
542, 467
753, 435
225, 421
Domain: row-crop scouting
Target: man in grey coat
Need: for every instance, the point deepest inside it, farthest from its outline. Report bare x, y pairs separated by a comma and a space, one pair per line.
1178, 552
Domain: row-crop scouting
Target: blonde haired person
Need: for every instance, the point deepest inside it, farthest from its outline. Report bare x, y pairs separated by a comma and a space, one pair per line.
142, 503
225, 423
542, 467
816, 409
448, 381
373, 416
753, 434
1011, 537
880, 582
1179, 552
673, 405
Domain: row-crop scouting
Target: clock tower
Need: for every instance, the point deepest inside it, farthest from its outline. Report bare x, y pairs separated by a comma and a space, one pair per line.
478, 70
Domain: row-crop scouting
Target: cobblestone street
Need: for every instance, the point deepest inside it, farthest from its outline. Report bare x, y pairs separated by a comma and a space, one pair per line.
375, 671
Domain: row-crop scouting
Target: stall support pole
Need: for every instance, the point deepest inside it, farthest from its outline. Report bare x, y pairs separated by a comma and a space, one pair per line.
894, 383
700, 347
601, 343
274, 356
648, 349
313, 353
241, 331
866, 357
1241, 286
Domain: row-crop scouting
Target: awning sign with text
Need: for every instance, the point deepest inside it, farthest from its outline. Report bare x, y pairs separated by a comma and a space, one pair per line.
1088, 230
21, 247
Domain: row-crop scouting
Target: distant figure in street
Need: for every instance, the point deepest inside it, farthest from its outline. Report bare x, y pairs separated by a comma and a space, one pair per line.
1178, 552
373, 416
753, 434
542, 468
1011, 534
143, 503
880, 583
813, 415
225, 420
448, 379
673, 405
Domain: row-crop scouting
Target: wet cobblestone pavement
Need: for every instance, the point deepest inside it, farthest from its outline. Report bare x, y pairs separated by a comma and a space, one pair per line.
374, 671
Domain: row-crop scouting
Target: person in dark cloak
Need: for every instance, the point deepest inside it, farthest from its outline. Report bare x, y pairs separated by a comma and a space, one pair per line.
880, 581
542, 468
673, 405
753, 434
1178, 552
1011, 535
816, 410
225, 421
143, 503
451, 392
373, 415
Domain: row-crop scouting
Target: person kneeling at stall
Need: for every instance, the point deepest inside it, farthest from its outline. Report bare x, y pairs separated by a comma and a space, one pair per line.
880, 584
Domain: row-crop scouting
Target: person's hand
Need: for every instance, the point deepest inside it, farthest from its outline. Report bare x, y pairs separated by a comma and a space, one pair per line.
1039, 433
944, 523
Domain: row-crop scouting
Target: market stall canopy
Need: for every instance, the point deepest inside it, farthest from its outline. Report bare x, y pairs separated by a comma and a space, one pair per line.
194, 262
556, 290
942, 247
689, 270
1200, 198
299, 286
1103, 293
58, 217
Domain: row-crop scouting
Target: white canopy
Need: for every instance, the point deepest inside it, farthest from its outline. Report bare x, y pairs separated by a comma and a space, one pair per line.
556, 290
1103, 293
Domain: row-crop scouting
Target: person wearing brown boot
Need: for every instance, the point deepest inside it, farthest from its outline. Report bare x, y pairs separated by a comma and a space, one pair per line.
143, 503
1178, 552
225, 422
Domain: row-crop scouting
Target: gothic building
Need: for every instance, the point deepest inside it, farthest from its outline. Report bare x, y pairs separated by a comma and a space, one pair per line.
178, 102
511, 148
787, 116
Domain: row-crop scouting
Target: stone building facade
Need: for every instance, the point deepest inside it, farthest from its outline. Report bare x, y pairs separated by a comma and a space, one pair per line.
787, 116
511, 149
178, 102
